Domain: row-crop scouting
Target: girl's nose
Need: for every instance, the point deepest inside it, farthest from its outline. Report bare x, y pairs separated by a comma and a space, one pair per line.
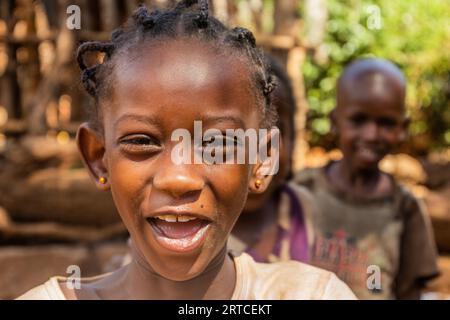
178, 180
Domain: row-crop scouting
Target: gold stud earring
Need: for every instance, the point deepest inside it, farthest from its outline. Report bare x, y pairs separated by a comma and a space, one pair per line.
102, 180
258, 183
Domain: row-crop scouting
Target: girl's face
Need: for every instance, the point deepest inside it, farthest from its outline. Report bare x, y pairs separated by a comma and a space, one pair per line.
179, 216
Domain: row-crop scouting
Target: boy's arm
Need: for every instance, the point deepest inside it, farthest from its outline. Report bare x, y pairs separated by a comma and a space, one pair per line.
418, 255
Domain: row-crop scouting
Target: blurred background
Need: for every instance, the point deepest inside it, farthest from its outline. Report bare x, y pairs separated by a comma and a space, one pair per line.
51, 215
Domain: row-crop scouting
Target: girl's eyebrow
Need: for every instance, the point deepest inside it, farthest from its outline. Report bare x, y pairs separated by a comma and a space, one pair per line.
152, 121
137, 118
219, 119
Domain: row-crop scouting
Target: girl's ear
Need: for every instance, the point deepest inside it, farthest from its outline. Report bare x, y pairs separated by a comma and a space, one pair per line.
267, 163
92, 150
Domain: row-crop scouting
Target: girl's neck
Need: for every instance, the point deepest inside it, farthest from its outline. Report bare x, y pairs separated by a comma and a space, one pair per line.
216, 282
251, 225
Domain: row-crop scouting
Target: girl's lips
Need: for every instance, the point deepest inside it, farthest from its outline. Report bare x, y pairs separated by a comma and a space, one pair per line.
179, 236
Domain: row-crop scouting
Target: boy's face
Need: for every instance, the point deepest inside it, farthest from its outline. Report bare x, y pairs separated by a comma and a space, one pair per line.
162, 89
369, 119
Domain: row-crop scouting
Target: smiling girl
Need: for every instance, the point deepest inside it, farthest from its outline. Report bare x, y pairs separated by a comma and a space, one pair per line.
163, 71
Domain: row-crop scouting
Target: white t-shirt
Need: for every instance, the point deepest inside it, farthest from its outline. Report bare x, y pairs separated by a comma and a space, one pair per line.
290, 280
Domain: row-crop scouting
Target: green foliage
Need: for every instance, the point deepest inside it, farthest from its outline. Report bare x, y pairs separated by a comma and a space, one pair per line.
413, 34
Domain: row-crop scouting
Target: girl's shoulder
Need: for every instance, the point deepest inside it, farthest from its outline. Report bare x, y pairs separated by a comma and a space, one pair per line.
59, 288
286, 280
49, 290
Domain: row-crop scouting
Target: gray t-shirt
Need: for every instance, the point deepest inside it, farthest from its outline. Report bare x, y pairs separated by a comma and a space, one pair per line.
382, 248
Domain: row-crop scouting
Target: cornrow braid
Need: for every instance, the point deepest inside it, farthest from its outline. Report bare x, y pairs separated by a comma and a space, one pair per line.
243, 34
88, 76
268, 83
202, 17
180, 21
144, 18
88, 80
188, 3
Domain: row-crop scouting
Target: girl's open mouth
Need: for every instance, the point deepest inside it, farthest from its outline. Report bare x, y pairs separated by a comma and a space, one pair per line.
179, 233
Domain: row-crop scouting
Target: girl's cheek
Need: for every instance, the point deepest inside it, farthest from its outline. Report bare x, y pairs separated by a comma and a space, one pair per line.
230, 184
230, 177
124, 175
127, 182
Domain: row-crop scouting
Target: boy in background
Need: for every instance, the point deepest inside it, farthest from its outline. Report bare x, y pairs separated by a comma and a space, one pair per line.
368, 229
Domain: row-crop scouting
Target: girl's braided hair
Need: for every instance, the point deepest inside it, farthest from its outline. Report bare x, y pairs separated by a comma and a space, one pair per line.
177, 22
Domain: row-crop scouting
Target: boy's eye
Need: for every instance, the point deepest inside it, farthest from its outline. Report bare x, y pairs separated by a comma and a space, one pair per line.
358, 119
139, 144
387, 122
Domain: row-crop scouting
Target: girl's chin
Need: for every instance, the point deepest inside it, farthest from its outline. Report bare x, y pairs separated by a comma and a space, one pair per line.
182, 268
180, 276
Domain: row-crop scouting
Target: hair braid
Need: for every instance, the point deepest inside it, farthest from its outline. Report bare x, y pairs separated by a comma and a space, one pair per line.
88, 76
173, 23
144, 18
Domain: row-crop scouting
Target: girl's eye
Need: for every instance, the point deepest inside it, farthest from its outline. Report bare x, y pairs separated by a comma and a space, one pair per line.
220, 142
139, 144
220, 147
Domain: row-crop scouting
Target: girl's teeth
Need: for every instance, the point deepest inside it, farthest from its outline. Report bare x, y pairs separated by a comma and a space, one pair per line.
174, 218
168, 218
185, 218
